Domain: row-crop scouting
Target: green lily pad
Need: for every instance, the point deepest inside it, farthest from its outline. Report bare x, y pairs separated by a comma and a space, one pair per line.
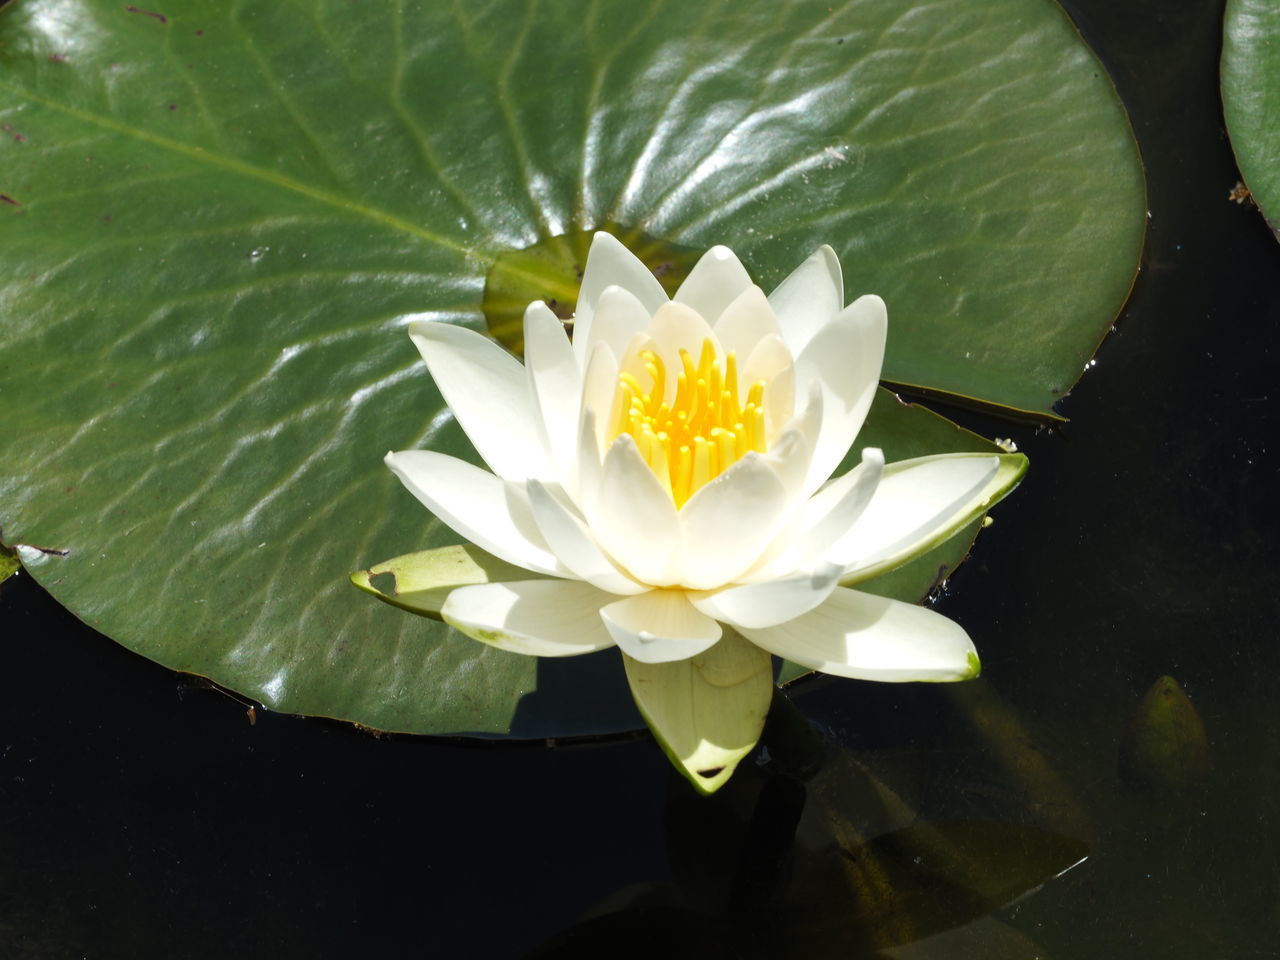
1251, 98
217, 220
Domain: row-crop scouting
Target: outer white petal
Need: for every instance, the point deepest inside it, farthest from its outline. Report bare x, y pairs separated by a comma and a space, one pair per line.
867, 637
745, 322
809, 298
634, 519
609, 263
492, 513
659, 626
567, 535
770, 602
845, 356
915, 502
488, 391
727, 523
555, 384
543, 618
715, 281
619, 316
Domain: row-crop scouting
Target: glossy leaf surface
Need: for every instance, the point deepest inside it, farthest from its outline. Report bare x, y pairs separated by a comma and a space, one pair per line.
1251, 98
218, 220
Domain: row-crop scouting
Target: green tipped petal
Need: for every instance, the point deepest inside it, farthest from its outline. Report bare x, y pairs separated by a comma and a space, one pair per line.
706, 712
420, 582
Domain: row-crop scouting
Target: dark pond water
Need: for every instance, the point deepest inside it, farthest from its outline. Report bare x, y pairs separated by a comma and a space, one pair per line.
144, 815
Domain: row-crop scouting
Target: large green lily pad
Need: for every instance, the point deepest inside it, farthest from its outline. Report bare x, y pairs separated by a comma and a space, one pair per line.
216, 220
1251, 98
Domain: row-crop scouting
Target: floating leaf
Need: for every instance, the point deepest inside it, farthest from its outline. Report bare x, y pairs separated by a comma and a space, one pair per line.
1251, 98
218, 220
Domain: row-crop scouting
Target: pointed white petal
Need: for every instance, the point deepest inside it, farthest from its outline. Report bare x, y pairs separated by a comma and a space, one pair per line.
567, 535
634, 518
920, 503
609, 264
845, 356
772, 362
828, 516
676, 327
599, 384
706, 712
745, 322
619, 316
715, 281
770, 602
659, 626
867, 637
488, 391
555, 384
809, 298
492, 513
791, 452
727, 523
586, 493
541, 618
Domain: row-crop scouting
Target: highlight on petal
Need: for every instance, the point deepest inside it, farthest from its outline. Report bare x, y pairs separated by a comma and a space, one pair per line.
809, 298
609, 263
541, 618
920, 503
845, 357
488, 391
659, 626
866, 637
492, 513
706, 712
715, 281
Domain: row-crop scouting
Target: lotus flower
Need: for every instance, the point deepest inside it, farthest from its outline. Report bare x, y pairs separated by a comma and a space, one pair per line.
665, 478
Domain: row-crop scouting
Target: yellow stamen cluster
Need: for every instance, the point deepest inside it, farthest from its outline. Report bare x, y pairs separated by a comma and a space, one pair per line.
701, 431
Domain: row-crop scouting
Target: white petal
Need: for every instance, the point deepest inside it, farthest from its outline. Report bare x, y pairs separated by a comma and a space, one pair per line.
609, 263
791, 452
542, 618
728, 523
555, 384
827, 516
809, 298
659, 626
845, 356
706, 712
676, 327
599, 385
492, 513
715, 281
770, 602
772, 362
586, 494
634, 519
567, 535
619, 316
745, 322
917, 504
488, 391
867, 637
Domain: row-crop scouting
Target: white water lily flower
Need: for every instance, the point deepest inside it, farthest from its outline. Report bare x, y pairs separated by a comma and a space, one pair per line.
664, 477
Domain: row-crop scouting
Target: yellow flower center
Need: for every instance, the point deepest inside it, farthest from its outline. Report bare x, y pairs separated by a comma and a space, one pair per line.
697, 433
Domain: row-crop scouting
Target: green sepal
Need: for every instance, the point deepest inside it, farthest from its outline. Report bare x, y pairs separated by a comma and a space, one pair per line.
706, 712
421, 582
